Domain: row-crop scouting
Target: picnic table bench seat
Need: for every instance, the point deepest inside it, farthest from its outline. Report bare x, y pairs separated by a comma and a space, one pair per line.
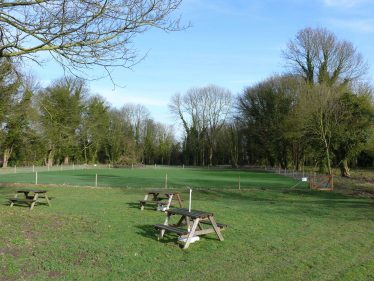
21, 200
155, 202
170, 228
28, 201
220, 225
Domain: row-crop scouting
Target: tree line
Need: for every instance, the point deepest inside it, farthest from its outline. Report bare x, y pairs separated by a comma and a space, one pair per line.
319, 113
63, 123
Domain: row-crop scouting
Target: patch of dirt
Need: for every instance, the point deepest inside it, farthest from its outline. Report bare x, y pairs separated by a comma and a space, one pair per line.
14, 252
53, 274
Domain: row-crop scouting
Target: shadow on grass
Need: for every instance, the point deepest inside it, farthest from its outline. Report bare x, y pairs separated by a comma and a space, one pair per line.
149, 231
297, 201
148, 207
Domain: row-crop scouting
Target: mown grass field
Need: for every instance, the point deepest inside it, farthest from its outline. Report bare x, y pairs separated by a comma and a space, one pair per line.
275, 232
156, 177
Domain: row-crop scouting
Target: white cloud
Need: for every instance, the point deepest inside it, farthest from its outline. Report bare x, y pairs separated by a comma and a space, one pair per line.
344, 3
357, 25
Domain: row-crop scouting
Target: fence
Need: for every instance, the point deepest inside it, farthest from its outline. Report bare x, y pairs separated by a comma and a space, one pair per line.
33, 169
316, 181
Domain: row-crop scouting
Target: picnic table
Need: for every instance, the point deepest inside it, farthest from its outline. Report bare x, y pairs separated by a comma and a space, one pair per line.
197, 222
31, 197
156, 197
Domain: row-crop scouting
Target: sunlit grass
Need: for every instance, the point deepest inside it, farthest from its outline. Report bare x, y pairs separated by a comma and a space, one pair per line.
274, 233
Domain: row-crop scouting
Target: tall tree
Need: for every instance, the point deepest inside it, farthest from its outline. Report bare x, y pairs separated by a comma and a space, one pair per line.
60, 116
137, 116
16, 123
263, 110
355, 129
93, 132
202, 112
320, 57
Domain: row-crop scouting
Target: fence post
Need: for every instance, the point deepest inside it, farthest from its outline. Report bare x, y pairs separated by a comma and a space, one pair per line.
36, 177
15, 169
96, 181
166, 181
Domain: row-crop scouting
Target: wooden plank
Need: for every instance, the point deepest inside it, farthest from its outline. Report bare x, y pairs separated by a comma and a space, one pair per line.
193, 214
220, 225
177, 230
216, 228
191, 234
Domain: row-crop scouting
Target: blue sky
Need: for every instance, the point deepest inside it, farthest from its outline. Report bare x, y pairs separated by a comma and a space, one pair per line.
232, 43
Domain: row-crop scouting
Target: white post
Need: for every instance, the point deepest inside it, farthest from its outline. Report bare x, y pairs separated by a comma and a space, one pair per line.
190, 203
96, 180
189, 209
36, 177
166, 181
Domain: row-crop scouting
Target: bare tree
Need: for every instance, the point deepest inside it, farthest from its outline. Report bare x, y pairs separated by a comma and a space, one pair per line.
203, 112
136, 115
319, 57
81, 34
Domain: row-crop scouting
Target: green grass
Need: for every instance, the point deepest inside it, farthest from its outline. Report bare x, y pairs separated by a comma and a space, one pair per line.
151, 177
275, 233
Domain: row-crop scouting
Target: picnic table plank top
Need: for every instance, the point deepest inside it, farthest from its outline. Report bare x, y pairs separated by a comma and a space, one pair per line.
168, 192
31, 190
193, 214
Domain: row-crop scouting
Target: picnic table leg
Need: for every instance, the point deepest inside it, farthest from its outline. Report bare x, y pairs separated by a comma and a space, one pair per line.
216, 228
191, 233
33, 203
179, 200
46, 198
162, 232
155, 196
142, 204
179, 223
169, 201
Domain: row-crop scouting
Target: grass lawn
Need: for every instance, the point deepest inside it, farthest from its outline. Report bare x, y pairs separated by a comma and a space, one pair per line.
155, 177
275, 232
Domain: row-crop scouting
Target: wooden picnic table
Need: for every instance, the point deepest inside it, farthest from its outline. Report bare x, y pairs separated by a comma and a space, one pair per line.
197, 222
155, 197
31, 197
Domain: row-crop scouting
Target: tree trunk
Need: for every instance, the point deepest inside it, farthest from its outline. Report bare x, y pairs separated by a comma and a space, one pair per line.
66, 160
50, 157
328, 161
7, 153
344, 169
210, 155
